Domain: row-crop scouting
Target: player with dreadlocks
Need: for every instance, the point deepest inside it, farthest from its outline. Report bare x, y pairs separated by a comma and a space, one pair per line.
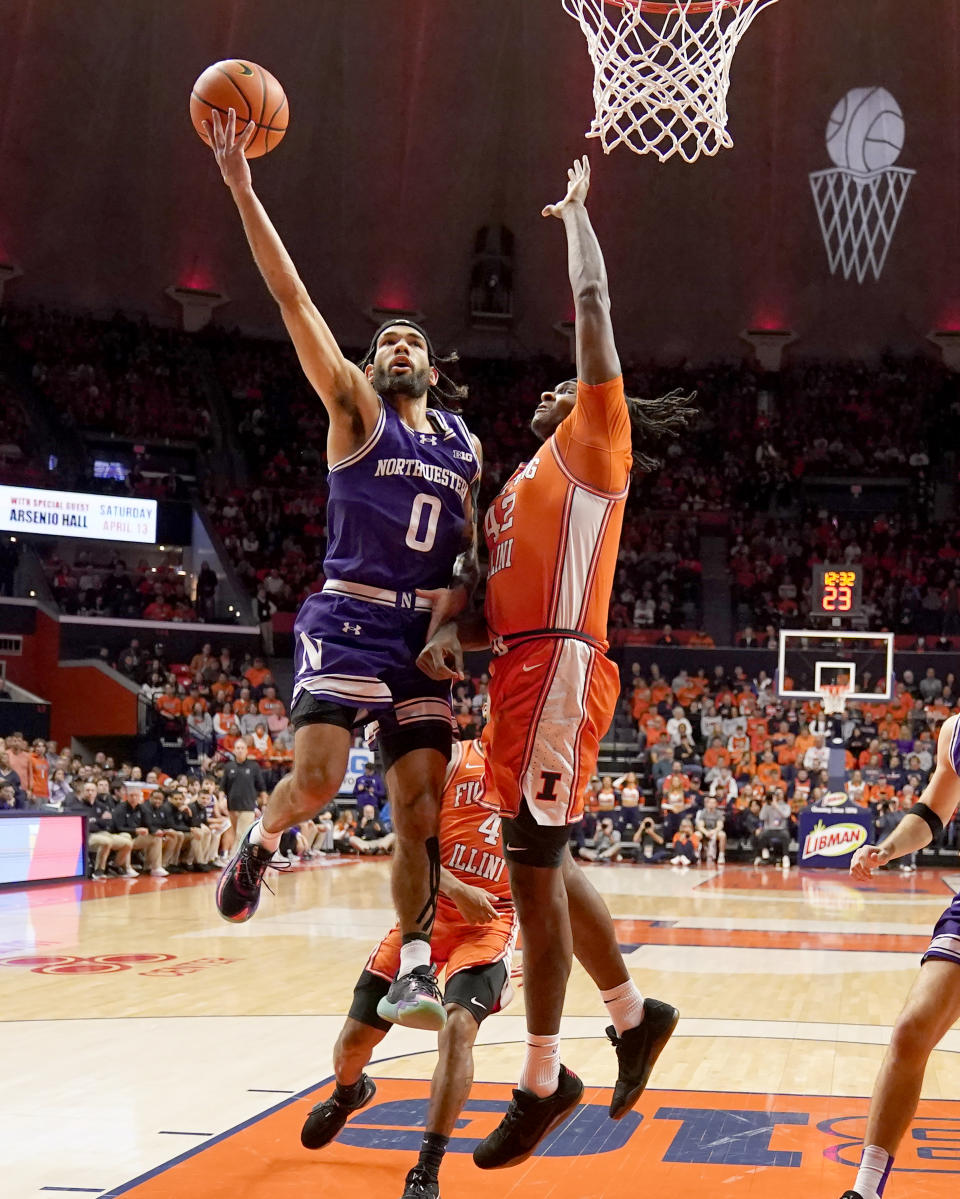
403, 477
553, 534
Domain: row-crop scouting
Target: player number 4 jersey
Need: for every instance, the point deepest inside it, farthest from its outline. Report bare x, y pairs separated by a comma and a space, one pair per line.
553, 532
470, 845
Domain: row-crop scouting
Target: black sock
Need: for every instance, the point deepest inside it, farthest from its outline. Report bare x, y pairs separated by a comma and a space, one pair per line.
432, 1149
350, 1094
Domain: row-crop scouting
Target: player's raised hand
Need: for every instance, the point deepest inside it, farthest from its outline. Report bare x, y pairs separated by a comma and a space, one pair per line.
442, 657
229, 149
866, 860
474, 905
579, 184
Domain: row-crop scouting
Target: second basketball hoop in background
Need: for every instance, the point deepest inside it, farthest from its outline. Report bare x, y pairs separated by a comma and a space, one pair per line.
662, 71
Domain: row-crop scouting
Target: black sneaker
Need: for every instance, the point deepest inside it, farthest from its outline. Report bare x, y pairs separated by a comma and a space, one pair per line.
419, 1185
637, 1052
851, 1195
327, 1118
238, 891
414, 1000
526, 1122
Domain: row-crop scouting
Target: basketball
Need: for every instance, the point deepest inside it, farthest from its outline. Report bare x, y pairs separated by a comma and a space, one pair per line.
865, 132
252, 91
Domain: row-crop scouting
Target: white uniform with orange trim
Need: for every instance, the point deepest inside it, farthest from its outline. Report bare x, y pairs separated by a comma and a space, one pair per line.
553, 534
470, 849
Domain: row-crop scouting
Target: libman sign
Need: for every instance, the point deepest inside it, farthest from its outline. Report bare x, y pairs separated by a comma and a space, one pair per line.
77, 514
831, 839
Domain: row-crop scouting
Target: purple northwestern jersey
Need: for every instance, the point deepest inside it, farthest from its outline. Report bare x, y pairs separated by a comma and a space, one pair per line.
395, 516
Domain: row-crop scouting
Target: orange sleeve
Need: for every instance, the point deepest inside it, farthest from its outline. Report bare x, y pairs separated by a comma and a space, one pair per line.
594, 440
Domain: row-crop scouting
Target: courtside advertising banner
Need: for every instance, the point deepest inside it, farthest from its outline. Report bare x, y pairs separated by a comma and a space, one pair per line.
77, 514
829, 837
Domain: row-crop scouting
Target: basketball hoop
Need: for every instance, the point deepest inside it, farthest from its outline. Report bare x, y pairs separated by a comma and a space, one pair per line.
833, 696
662, 71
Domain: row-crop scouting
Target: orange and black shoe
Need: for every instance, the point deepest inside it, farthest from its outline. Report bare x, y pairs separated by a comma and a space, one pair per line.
526, 1122
637, 1052
327, 1118
238, 891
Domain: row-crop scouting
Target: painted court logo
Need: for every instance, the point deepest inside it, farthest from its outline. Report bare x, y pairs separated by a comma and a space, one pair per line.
835, 841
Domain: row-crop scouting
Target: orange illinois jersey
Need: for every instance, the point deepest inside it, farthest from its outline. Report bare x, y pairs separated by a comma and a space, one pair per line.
554, 530
470, 824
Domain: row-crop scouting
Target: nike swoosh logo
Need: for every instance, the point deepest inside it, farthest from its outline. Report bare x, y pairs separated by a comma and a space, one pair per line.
244, 69
517, 848
535, 666
474, 999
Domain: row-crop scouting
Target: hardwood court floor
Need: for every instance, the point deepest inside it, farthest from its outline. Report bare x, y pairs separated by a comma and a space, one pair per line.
152, 1050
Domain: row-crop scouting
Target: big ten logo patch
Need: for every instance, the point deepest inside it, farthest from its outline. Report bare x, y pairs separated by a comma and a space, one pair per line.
111, 963
931, 1146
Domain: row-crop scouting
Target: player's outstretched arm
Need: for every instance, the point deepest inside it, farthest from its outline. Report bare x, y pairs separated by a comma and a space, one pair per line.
346, 393
597, 360
940, 799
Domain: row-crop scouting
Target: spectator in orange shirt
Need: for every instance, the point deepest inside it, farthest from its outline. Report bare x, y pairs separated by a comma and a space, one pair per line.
639, 701
768, 771
676, 781
261, 747
225, 728
203, 660
270, 705
716, 755
685, 845
654, 727
737, 744
222, 690
659, 691
243, 704
38, 772
257, 674
168, 704
193, 701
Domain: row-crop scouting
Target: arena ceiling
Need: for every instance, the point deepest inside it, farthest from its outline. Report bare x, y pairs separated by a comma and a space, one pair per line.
415, 122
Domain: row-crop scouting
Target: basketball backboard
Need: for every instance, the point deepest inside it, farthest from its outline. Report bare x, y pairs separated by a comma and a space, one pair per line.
808, 660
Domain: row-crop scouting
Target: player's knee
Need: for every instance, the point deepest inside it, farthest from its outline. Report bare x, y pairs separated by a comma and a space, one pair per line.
415, 811
314, 784
460, 1030
913, 1035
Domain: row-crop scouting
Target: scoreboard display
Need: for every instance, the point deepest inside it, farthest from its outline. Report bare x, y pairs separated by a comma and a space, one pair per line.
837, 590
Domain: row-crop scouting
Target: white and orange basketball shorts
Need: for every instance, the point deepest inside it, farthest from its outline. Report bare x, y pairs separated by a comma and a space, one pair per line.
551, 701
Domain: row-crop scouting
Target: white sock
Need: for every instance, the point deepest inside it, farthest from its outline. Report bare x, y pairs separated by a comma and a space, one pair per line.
259, 836
625, 1005
413, 953
875, 1166
541, 1065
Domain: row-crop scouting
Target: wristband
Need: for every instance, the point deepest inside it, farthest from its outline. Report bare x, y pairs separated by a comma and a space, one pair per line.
929, 817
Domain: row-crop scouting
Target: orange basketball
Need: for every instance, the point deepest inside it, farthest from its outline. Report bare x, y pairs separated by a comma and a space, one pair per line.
252, 91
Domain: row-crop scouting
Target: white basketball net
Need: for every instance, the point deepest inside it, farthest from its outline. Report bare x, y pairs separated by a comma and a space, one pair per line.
859, 216
661, 77
834, 698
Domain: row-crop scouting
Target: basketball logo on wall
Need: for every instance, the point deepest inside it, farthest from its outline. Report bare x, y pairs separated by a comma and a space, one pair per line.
860, 198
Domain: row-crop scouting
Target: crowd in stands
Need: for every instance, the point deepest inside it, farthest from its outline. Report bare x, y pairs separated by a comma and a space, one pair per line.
117, 376
721, 760
912, 570
99, 583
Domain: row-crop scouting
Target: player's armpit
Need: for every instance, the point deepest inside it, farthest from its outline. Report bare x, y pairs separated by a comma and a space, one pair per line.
594, 441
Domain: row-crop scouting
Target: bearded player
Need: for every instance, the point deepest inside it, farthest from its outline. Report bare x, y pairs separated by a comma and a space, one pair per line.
553, 535
473, 938
933, 1005
400, 516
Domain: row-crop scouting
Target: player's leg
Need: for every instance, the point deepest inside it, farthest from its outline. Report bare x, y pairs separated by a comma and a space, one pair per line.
362, 1032
641, 1027
415, 756
547, 1092
931, 1009
321, 750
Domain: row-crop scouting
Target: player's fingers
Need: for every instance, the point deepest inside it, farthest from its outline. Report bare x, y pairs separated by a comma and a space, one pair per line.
217, 128
231, 127
249, 133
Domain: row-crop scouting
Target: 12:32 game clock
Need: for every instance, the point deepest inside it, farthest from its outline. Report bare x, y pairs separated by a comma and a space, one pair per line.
837, 590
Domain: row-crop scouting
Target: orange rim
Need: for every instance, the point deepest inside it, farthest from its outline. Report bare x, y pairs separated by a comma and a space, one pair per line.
665, 7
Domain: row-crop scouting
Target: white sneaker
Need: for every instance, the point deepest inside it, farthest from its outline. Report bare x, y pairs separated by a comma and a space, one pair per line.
765, 854
785, 861
130, 873
98, 876
757, 861
292, 858
159, 872
721, 859
676, 861
685, 863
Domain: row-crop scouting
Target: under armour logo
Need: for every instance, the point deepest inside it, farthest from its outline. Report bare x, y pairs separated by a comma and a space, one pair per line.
352, 628
427, 439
